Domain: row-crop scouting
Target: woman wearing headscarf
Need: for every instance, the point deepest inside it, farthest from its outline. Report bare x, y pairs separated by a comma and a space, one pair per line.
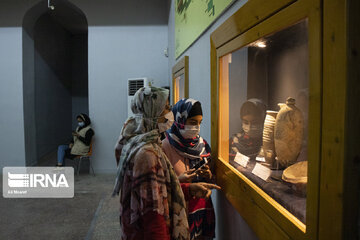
189, 153
249, 140
152, 201
80, 142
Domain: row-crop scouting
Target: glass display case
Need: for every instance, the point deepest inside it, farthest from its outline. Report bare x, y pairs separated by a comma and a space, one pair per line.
180, 82
283, 87
266, 127
265, 92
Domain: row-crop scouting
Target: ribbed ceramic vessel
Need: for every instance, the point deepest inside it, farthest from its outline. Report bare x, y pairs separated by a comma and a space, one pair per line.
289, 127
268, 137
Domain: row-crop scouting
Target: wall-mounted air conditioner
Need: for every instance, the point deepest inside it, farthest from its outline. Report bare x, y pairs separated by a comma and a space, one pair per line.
135, 84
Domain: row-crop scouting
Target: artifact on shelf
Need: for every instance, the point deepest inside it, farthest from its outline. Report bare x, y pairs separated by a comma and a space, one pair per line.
289, 127
296, 174
268, 137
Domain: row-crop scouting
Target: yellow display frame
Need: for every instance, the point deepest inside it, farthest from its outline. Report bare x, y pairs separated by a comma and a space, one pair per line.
334, 116
180, 68
253, 21
340, 163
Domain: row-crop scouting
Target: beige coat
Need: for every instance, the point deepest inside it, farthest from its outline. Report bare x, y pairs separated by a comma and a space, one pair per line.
79, 147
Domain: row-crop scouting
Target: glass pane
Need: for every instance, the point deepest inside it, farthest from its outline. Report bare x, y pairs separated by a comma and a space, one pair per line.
182, 86
263, 113
179, 88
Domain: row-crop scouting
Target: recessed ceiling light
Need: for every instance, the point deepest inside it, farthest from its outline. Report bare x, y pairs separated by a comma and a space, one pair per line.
261, 44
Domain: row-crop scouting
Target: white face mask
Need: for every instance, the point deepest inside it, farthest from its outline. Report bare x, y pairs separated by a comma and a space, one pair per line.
246, 127
190, 131
251, 130
81, 124
166, 125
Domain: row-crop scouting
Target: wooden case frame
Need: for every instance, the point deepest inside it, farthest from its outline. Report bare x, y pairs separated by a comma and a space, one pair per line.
328, 84
180, 68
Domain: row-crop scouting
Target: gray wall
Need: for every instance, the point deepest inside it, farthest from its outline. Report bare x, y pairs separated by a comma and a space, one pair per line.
126, 39
29, 97
52, 85
12, 148
54, 63
116, 54
79, 76
28, 75
230, 225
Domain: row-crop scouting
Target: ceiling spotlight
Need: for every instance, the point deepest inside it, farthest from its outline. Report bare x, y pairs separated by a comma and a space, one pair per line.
261, 44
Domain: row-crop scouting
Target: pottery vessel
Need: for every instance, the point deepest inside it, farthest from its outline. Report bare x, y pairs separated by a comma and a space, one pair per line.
296, 175
268, 137
288, 136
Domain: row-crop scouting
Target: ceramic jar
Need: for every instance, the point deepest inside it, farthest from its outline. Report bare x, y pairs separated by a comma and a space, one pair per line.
296, 175
289, 127
268, 137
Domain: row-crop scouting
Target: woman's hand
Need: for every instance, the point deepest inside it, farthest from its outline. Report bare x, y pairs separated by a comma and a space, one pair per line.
205, 172
187, 176
201, 189
75, 134
71, 145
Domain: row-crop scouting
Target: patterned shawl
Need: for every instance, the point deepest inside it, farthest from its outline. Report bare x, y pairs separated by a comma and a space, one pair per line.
141, 132
189, 148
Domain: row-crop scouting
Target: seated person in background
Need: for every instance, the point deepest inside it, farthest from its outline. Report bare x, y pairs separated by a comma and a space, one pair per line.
80, 144
249, 140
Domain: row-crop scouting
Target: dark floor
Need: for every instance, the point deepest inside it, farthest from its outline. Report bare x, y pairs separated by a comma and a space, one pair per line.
91, 214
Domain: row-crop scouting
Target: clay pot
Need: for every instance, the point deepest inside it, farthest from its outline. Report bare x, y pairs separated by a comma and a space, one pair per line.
296, 175
268, 137
289, 127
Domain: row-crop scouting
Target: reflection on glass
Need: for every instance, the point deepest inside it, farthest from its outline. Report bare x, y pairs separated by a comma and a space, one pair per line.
263, 104
179, 88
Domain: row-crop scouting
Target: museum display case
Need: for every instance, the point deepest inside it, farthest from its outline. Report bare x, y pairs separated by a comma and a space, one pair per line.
180, 79
264, 88
270, 91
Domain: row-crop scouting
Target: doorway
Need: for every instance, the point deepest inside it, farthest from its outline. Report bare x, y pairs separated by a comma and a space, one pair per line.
55, 64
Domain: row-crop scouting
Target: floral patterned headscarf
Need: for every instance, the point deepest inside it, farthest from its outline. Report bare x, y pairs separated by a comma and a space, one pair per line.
140, 130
